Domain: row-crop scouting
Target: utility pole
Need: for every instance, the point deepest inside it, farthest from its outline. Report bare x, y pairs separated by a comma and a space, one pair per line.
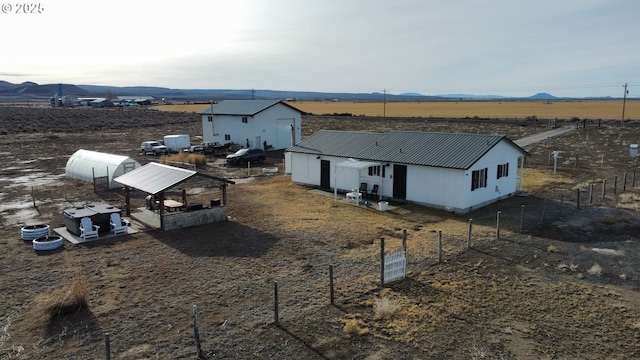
384, 104
624, 101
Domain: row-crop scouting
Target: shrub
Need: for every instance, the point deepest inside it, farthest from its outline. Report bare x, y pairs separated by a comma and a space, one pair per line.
595, 270
552, 249
384, 308
196, 159
353, 327
67, 299
608, 220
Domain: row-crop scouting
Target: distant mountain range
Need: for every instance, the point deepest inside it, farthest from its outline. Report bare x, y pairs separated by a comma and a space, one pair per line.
30, 91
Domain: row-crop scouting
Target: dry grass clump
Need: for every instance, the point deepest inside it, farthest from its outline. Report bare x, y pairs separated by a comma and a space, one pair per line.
608, 220
595, 270
628, 201
543, 179
552, 249
565, 267
184, 157
65, 300
384, 308
354, 327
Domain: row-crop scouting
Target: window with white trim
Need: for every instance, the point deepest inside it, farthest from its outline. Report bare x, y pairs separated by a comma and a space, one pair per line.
376, 170
245, 120
503, 170
479, 179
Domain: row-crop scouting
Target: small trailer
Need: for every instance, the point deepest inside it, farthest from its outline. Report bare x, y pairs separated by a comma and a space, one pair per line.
176, 143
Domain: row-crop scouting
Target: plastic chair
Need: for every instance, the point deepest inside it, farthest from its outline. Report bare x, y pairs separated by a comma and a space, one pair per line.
363, 190
117, 225
374, 191
88, 231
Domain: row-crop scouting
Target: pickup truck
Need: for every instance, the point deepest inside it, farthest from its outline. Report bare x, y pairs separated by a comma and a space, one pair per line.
215, 149
153, 147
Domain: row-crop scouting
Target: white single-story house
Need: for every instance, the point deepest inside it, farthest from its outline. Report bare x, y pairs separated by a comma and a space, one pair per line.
268, 124
452, 171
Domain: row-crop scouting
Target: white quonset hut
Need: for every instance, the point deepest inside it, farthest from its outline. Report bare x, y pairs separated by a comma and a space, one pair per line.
93, 167
455, 172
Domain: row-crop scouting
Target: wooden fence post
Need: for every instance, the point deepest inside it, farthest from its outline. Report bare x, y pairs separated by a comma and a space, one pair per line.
382, 261
604, 187
107, 344
615, 184
439, 246
590, 193
276, 316
578, 198
331, 292
404, 240
624, 182
469, 234
196, 332
521, 217
498, 225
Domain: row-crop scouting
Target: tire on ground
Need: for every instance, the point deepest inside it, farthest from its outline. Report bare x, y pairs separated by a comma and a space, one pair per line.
34, 231
46, 243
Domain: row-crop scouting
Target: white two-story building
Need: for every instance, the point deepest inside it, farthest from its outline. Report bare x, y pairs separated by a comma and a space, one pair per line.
268, 124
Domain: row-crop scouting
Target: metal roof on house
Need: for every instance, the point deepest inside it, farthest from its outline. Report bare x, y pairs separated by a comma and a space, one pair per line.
154, 178
447, 150
335, 143
242, 107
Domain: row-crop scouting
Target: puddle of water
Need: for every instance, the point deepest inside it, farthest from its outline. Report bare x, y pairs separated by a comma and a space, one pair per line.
21, 212
22, 202
611, 252
33, 179
11, 168
22, 217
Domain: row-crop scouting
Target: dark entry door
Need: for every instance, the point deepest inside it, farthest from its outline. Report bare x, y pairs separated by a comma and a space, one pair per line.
399, 181
325, 174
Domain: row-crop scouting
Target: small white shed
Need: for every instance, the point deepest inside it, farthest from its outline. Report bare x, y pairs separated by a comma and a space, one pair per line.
87, 165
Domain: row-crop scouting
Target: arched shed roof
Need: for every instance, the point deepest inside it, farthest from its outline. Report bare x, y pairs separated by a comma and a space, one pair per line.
84, 165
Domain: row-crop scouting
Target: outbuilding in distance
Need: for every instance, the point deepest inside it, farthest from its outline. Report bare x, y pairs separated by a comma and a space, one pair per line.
99, 168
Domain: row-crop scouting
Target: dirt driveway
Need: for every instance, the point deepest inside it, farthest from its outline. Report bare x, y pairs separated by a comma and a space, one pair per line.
534, 292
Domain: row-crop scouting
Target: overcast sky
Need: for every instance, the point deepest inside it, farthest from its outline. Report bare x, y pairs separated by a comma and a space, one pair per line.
506, 47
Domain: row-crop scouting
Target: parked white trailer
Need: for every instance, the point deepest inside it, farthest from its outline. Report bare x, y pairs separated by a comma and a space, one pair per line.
175, 143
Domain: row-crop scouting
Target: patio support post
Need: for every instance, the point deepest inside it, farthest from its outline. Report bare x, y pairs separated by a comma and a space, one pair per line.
127, 196
224, 194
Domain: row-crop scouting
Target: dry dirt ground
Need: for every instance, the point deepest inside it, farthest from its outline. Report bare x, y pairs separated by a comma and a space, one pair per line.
533, 292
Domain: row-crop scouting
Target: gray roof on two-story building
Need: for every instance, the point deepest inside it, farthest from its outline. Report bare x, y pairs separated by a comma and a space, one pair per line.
447, 150
242, 107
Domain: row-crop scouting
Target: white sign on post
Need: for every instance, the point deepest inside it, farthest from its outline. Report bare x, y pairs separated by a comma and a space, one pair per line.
555, 160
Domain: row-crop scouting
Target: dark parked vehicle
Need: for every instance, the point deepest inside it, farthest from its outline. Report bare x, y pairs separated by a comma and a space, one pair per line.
215, 149
195, 149
244, 156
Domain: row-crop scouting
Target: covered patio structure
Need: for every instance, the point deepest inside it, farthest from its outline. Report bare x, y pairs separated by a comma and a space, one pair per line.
155, 179
348, 175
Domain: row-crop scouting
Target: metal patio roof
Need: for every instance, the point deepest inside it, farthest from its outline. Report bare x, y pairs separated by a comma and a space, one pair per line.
154, 178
